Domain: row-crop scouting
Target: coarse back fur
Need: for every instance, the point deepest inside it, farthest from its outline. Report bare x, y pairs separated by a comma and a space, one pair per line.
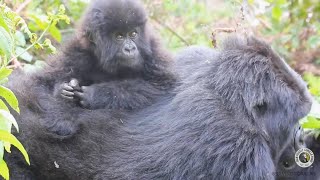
232, 116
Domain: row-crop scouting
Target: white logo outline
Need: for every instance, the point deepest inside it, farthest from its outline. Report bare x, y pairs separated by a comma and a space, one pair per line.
308, 155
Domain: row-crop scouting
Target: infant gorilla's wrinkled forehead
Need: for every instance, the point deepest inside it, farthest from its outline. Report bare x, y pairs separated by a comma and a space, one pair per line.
119, 14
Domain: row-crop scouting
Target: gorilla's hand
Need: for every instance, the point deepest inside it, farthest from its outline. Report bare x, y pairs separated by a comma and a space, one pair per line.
86, 96
67, 89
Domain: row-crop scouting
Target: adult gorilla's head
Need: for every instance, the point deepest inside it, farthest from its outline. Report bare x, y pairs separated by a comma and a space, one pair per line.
272, 95
115, 30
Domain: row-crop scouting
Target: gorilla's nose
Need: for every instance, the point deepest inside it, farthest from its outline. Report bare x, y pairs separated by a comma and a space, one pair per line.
129, 50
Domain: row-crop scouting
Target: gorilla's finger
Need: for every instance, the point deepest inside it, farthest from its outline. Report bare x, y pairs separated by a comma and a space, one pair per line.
67, 87
74, 83
79, 94
67, 97
67, 93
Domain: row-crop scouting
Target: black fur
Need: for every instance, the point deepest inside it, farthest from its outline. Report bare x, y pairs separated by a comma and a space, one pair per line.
108, 78
288, 169
231, 117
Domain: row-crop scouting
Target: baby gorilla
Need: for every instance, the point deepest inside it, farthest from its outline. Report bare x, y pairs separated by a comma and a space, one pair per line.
115, 63
126, 70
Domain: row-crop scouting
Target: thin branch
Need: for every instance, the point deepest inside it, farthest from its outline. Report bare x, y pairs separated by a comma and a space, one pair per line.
35, 42
22, 6
264, 23
15, 64
218, 30
171, 30
226, 30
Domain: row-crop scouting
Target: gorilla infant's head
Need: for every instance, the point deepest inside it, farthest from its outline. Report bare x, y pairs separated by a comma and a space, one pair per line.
115, 30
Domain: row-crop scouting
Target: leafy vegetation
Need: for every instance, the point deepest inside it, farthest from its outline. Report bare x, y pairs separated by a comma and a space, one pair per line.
294, 28
312, 121
294, 24
13, 33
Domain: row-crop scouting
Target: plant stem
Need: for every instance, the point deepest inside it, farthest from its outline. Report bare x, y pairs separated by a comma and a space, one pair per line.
38, 40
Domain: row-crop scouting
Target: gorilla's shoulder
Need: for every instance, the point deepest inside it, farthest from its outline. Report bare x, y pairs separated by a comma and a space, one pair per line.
195, 52
248, 44
192, 62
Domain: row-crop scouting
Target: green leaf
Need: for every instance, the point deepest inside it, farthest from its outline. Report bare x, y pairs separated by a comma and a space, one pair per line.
3, 22
7, 137
4, 170
11, 99
250, 2
276, 13
4, 72
62, 9
20, 39
1, 150
55, 33
5, 125
281, 2
47, 43
7, 147
6, 116
40, 23
5, 42
315, 110
313, 82
311, 123
3, 106
314, 41
4, 81
25, 56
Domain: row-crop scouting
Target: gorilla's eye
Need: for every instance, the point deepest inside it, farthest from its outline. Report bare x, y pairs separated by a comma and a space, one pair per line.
133, 34
286, 164
119, 36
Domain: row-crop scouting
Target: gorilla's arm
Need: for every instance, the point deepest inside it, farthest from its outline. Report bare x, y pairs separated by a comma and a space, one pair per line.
43, 92
62, 75
126, 94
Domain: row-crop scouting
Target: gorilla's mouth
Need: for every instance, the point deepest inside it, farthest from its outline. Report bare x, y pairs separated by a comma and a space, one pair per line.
131, 57
127, 57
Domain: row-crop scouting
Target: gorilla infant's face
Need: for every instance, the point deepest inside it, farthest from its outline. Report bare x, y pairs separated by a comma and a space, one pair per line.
119, 51
127, 54
116, 32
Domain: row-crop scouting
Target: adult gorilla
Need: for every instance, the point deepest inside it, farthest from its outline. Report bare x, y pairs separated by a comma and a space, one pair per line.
231, 118
115, 63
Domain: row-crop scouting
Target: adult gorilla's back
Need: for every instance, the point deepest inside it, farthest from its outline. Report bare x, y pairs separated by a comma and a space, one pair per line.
231, 117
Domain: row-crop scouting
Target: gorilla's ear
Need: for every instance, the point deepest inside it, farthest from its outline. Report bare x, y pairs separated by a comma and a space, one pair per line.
96, 17
90, 25
260, 109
